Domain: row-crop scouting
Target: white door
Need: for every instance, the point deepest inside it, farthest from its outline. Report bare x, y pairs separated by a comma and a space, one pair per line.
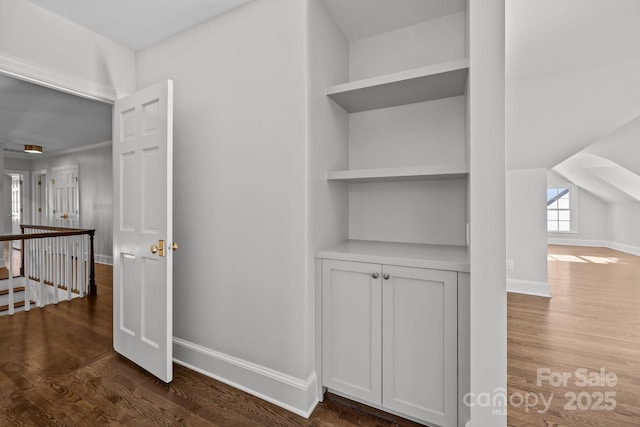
65, 200
419, 329
39, 198
351, 329
16, 203
142, 229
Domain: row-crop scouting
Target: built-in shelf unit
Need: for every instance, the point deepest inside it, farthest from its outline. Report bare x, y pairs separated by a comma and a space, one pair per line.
405, 258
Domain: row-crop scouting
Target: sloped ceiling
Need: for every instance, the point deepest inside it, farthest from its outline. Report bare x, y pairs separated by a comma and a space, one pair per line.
138, 23
573, 77
610, 167
359, 19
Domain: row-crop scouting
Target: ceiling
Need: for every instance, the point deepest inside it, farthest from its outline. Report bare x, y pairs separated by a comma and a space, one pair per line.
572, 69
32, 114
573, 92
359, 19
573, 76
138, 23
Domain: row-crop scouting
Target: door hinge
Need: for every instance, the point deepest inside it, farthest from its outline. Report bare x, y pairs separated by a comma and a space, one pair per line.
39, 182
39, 209
53, 181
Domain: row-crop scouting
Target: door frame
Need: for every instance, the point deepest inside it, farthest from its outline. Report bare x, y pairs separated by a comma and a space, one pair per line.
35, 203
41, 75
25, 193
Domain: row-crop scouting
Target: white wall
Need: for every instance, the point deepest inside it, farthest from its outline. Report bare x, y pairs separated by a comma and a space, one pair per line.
18, 164
34, 36
624, 227
526, 231
487, 206
96, 193
379, 54
240, 210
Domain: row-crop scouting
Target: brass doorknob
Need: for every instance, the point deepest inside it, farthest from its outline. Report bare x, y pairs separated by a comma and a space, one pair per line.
174, 246
154, 248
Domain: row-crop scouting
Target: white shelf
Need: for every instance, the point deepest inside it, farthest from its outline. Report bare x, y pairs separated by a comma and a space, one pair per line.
405, 87
408, 173
438, 257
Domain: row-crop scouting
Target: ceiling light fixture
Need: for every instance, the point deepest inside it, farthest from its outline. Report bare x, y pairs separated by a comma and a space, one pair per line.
37, 149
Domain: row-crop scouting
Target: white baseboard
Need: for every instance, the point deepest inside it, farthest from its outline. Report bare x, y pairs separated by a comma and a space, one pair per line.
293, 394
577, 242
529, 287
622, 247
633, 250
103, 259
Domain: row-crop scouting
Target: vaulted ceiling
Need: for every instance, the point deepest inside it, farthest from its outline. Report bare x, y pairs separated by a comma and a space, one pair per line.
572, 68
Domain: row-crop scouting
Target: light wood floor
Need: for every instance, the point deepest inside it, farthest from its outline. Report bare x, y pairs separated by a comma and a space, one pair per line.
57, 368
592, 322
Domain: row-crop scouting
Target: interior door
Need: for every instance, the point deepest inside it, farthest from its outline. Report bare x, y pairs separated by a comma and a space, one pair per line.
142, 229
65, 198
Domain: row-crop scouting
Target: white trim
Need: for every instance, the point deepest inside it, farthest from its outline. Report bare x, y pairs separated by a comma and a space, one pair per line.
576, 242
293, 394
48, 77
103, 259
622, 247
529, 287
74, 149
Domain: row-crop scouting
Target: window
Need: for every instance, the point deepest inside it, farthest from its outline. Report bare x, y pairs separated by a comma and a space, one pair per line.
559, 207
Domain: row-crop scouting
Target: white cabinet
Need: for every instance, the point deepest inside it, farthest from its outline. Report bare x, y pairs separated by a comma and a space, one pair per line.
352, 329
390, 337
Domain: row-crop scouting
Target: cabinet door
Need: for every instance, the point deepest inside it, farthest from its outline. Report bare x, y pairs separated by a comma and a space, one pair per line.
351, 329
419, 334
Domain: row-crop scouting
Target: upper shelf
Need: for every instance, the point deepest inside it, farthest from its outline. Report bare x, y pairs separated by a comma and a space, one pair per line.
405, 87
407, 173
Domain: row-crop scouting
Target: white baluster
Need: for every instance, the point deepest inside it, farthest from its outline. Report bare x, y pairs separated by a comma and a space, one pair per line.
26, 248
83, 285
11, 308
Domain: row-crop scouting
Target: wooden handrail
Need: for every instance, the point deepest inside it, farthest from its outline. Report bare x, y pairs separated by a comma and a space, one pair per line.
58, 232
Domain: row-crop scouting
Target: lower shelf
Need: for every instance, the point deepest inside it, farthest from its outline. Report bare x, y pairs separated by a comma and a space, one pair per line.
438, 257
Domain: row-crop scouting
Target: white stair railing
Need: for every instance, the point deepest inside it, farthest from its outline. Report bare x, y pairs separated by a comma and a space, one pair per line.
55, 264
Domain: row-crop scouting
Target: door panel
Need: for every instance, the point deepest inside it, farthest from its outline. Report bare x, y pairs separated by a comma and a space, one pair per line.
143, 180
66, 200
419, 315
352, 329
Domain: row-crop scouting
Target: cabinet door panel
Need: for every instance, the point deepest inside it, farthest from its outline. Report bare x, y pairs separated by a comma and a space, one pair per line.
419, 318
351, 330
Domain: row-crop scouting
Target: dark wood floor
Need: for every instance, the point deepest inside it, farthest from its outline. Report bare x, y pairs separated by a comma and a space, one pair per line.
592, 322
57, 368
